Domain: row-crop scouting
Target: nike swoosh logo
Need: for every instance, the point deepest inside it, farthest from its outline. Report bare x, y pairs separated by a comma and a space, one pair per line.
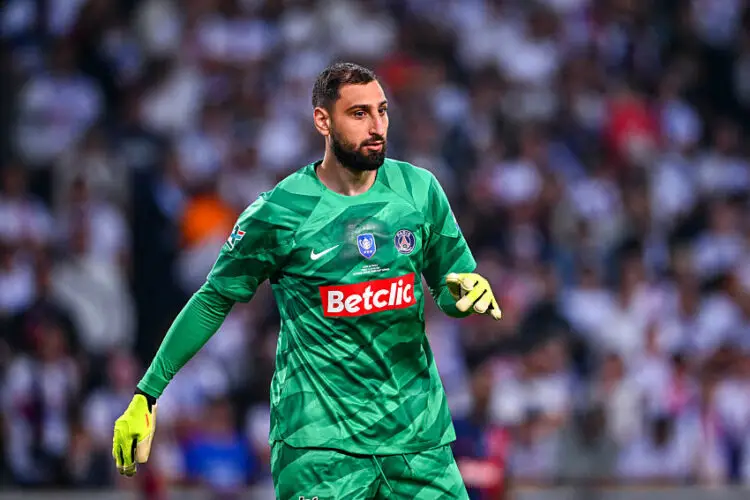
316, 256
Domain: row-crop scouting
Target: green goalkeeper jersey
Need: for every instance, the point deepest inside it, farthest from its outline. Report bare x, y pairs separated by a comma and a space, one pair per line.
354, 370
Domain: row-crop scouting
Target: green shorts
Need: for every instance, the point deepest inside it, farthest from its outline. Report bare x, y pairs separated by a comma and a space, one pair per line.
323, 474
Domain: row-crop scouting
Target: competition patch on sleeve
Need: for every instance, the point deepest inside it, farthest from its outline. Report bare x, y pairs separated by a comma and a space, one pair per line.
235, 237
455, 221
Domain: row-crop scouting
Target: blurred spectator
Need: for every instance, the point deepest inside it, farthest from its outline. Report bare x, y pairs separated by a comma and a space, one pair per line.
26, 221
90, 280
99, 222
171, 100
664, 455
93, 164
45, 307
588, 452
243, 179
533, 460
100, 411
732, 404
202, 380
40, 395
538, 393
17, 280
206, 221
55, 109
218, 457
482, 447
621, 399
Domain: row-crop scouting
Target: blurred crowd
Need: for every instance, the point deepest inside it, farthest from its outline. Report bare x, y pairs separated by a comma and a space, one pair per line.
595, 156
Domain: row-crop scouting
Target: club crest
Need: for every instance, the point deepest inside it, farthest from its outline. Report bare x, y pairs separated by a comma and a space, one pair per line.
366, 245
404, 241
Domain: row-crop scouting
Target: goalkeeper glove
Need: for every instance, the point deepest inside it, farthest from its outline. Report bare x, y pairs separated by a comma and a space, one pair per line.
471, 290
134, 432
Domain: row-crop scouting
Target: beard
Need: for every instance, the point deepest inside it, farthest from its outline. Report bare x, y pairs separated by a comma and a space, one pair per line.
353, 157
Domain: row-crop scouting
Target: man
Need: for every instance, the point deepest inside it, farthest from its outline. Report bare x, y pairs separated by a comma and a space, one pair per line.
358, 410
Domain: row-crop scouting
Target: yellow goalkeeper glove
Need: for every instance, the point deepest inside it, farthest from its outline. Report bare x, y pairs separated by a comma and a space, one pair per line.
134, 432
472, 291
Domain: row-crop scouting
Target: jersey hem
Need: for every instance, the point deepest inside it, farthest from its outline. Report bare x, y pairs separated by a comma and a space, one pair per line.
370, 451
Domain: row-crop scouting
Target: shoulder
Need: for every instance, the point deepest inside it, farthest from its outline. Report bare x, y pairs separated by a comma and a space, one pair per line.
419, 175
287, 204
410, 181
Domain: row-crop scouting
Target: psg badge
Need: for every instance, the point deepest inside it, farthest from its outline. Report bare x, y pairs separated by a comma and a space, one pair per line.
366, 245
404, 241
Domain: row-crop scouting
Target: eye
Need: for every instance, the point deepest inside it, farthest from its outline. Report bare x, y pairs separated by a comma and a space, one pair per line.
383, 111
359, 114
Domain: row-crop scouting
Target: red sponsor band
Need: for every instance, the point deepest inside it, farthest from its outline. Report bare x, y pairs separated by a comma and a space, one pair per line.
368, 297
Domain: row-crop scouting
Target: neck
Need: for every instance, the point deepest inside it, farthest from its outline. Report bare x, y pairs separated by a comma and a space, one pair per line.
342, 180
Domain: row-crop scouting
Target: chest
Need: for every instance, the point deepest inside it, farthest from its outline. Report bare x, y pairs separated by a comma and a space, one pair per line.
359, 243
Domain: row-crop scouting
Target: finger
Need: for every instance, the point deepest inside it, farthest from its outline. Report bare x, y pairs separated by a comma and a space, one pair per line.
495, 310
468, 283
143, 446
116, 454
452, 278
460, 284
125, 457
487, 300
117, 448
453, 281
484, 302
468, 300
125, 470
129, 467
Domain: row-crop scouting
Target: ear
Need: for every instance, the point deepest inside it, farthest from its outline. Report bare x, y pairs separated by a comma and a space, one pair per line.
322, 121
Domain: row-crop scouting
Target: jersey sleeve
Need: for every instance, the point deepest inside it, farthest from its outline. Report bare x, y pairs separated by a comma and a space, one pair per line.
446, 250
251, 254
194, 326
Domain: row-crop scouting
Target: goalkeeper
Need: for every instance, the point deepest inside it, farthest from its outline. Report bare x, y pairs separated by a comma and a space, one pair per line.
358, 410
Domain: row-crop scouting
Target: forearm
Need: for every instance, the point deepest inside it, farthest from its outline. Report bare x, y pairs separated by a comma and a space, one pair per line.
194, 326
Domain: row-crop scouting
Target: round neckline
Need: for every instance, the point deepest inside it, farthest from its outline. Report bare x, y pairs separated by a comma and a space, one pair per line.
336, 194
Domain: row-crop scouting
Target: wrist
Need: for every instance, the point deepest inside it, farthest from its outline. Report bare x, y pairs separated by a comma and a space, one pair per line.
149, 398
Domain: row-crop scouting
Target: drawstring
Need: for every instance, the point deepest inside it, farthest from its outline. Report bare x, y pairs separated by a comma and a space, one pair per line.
382, 474
408, 465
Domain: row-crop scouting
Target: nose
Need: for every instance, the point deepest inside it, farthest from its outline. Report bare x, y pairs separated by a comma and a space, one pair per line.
379, 126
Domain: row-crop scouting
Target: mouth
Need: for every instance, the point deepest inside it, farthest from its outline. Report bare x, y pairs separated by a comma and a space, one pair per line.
375, 145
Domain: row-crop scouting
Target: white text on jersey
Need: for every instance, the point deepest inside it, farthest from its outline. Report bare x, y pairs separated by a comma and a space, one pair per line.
368, 297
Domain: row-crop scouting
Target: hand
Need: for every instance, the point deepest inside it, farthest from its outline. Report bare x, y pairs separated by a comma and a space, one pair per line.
472, 291
134, 432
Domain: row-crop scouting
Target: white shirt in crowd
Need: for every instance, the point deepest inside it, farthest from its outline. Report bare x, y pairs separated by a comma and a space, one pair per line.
55, 112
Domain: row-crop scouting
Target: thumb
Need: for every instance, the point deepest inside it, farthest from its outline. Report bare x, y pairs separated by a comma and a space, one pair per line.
145, 439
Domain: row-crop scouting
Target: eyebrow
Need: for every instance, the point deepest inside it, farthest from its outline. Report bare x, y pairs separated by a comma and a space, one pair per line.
364, 106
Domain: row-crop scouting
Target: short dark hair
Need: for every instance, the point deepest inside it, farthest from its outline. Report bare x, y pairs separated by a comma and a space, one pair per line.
326, 89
